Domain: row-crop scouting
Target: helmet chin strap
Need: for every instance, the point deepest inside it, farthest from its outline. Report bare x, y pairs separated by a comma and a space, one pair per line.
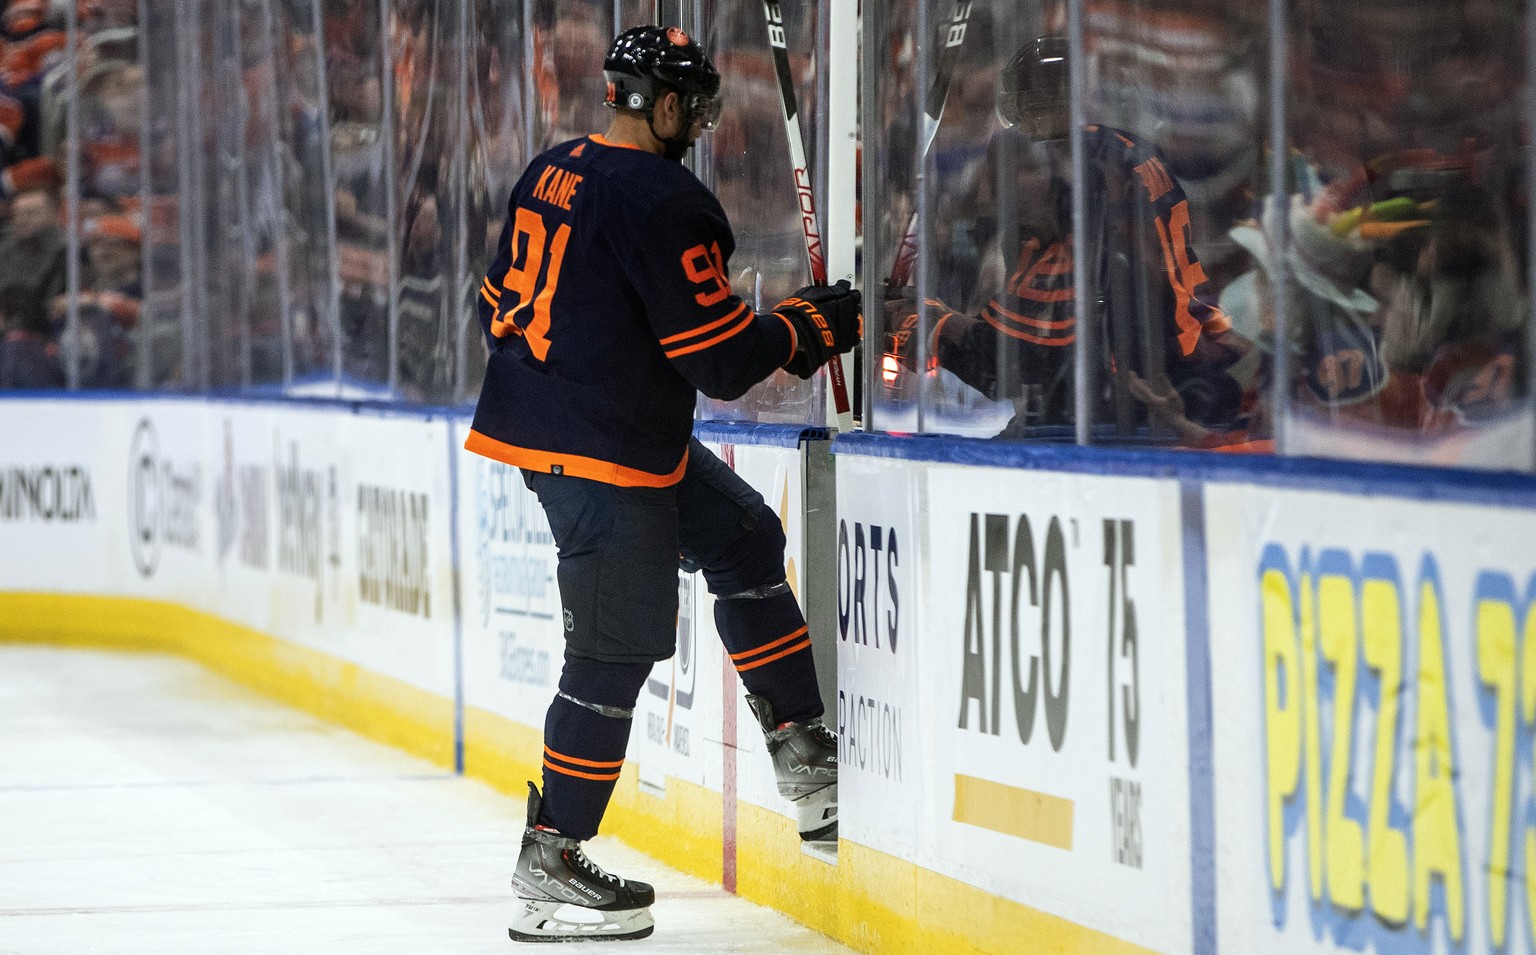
674, 147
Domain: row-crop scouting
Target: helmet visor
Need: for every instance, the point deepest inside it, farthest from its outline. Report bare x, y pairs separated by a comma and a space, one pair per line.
703, 109
1040, 117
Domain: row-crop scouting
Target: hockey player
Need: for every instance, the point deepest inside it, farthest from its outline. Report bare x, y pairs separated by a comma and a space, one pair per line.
607, 309
1150, 295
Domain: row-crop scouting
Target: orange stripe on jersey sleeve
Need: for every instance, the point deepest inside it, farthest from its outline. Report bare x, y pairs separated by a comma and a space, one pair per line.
1060, 342
710, 343
1013, 316
702, 329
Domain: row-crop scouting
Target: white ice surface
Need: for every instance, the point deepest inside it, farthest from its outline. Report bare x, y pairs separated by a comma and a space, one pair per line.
150, 806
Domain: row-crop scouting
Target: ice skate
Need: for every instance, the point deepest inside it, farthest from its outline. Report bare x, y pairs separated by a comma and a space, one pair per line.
563, 897
805, 764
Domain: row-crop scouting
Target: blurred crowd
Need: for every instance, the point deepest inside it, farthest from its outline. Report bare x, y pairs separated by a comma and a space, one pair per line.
40, 347
1405, 202
301, 196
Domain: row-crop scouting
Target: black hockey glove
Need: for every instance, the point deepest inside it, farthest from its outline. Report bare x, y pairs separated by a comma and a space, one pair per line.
827, 322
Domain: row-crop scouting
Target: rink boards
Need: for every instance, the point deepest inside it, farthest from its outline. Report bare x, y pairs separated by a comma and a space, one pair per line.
1088, 702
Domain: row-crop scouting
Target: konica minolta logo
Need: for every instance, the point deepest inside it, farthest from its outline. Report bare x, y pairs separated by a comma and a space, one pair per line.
47, 493
394, 536
163, 500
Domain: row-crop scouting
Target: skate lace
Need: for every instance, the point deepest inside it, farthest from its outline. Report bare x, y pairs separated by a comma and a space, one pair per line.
822, 735
592, 869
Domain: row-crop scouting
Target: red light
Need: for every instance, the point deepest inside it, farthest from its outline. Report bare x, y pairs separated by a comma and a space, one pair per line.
889, 369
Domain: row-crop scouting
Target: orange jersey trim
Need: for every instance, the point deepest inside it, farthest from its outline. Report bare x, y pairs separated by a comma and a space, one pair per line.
794, 338
1217, 323
602, 140
485, 294
933, 341
571, 465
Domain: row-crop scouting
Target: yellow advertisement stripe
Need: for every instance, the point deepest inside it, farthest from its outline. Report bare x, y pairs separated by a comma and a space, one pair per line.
337, 690
1013, 811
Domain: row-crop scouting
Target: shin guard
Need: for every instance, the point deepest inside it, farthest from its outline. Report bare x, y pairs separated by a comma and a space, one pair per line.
766, 636
586, 733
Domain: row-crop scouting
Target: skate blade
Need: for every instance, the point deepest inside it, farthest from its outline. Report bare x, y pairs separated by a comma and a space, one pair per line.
817, 815
539, 921
826, 834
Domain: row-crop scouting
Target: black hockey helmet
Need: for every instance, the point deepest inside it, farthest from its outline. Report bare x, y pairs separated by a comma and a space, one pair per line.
1037, 80
645, 62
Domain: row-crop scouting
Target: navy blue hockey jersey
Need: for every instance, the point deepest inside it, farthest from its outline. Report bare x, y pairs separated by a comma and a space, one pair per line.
608, 305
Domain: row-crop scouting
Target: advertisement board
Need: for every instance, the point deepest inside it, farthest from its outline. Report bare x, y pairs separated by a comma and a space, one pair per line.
325, 529
513, 634
1375, 685
882, 778
1054, 729
63, 484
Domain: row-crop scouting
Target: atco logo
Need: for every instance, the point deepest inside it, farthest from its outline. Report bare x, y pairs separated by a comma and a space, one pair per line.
162, 502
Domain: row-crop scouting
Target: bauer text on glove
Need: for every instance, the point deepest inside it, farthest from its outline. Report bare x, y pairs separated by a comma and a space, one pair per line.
826, 321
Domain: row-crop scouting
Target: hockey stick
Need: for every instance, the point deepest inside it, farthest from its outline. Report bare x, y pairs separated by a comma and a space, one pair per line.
933, 111
838, 408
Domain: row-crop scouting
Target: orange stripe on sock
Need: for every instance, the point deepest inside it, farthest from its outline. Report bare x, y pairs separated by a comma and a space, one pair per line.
583, 762
608, 778
806, 645
769, 646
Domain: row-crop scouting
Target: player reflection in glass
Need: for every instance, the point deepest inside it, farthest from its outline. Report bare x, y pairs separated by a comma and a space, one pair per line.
1155, 320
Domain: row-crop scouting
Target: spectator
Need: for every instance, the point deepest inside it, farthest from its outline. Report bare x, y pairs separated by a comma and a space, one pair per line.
98, 343
113, 255
32, 254
28, 359
13, 115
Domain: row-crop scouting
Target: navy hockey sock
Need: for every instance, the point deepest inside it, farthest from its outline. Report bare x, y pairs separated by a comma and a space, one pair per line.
586, 732
770, 646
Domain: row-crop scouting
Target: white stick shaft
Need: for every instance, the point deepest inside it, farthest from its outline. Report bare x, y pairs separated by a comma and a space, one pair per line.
839, 410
